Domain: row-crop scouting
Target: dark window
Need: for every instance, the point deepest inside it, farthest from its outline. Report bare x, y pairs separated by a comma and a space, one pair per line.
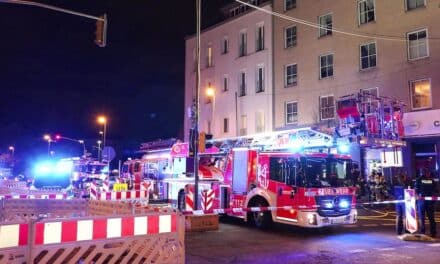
326, 24
283, 170
413, 4
326, 66
366, 11
290, 37
289, 4
368, 56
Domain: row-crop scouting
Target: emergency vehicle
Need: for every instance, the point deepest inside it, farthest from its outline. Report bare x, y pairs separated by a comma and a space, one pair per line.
284, 169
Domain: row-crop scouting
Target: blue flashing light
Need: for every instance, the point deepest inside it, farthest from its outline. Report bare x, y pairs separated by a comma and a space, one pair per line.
64, 167
295, 145
43, 168
344, 204
343, 148
328, 205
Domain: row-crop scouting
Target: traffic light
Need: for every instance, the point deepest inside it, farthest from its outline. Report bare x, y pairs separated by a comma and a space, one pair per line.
101, 31
208, 137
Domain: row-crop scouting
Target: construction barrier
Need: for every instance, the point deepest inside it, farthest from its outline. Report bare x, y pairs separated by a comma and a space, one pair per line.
155, 236
410, 210
11, 184
102, 193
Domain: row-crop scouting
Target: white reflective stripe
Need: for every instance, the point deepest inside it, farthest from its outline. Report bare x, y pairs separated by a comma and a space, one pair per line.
428, 198
84, 230
255, 209
44, 196
219, 211
114, 227
237, 210
59, 196
9, 235
113, 196
123, 195
198, 212
140, 225
31, 196
272, 208
287, 207
52, 232
143, 194
164, 223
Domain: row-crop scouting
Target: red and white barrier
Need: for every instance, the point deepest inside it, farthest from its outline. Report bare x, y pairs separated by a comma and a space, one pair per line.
410, 210
124, 195
13, 235
94, 229
207, 199
189, 201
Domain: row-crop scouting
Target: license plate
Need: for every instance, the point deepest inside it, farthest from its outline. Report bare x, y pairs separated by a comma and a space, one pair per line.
337, 221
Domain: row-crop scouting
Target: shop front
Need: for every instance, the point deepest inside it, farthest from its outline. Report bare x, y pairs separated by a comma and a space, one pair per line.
422, 134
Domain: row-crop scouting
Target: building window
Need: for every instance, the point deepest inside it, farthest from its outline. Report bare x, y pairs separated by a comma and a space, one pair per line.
242, 84
368, 56
225, 125
413, 4
259, 122
290, 75
243, 125
366, 11
225, 83
327, 107
260, 79
209, 57
291, 113
369, 100
225, 45
290, 37
420, 94
417, 44
242, 46
289, 4
259, 45
326, 66
325, 25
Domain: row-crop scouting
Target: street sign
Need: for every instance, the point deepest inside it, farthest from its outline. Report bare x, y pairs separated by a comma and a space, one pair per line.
108, 153
410, 210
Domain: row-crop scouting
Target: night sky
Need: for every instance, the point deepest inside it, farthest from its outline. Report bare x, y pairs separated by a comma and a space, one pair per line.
54, 79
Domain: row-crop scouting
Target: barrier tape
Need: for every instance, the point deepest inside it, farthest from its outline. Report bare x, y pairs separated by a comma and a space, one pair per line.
286, 208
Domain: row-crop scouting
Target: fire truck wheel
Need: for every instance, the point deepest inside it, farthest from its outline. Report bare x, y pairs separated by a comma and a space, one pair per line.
181, 200
261, 220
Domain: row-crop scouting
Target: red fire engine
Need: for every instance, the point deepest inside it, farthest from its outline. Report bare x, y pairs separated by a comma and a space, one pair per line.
282, 169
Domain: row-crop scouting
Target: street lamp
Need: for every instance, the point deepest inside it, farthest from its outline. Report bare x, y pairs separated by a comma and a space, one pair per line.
210, 93
49, 140
103, 121
80, 141
99, 149
12, 150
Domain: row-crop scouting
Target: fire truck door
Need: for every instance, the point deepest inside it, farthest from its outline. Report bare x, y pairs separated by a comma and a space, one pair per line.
286, 191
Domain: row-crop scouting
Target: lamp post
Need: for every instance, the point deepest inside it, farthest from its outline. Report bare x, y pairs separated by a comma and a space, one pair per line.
80, 141
103, 121
210, 93
48, 138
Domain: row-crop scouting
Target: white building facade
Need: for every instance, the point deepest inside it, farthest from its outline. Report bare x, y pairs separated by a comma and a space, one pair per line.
236, 65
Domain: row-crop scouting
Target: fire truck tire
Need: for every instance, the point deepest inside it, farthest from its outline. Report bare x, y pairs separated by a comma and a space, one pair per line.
181, 200
260, 220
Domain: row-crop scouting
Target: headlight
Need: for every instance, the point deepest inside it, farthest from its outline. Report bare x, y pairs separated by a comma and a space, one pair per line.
344, 204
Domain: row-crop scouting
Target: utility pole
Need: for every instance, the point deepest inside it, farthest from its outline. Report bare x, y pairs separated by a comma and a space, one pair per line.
197, 108
101, 22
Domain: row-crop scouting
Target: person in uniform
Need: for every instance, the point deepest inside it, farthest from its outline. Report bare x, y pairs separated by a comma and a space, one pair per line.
426, 187
400, 183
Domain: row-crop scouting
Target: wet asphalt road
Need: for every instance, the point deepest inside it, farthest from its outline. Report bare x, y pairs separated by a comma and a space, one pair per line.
371, 240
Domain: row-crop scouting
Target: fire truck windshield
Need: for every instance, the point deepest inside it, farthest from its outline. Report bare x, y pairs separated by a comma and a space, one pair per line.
330, 172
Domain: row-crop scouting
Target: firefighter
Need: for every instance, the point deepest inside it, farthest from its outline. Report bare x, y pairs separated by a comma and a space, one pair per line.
426, 187
400, 183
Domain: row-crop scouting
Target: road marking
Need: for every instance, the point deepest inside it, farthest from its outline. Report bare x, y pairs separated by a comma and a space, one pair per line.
434, 245
357, 251
370, 225
385, 249
410, 247
388, 224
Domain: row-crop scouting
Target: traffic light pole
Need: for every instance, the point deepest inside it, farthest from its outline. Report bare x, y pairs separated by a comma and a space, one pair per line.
197, 108
58, 9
